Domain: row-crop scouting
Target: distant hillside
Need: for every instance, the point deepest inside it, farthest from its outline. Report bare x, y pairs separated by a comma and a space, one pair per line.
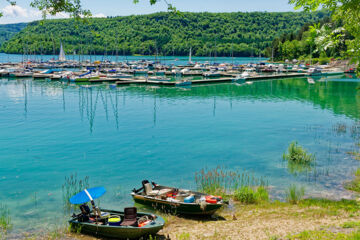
223, 34
7, 31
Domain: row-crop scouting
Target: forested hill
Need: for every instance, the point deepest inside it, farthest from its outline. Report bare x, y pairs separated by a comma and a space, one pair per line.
9, 30
243, 34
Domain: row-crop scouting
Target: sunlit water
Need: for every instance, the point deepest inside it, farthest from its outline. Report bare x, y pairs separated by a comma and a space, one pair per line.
118, 137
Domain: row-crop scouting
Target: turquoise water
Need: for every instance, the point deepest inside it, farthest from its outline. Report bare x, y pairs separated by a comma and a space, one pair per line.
118, 137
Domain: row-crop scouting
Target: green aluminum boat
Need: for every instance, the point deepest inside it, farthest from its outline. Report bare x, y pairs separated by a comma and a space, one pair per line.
176, 201
103, 227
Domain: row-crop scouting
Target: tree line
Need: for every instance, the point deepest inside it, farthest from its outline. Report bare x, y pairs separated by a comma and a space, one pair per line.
207, 34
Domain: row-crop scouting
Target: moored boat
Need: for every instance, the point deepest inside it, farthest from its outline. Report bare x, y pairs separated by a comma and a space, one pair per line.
212, 74
176, 201
314, 72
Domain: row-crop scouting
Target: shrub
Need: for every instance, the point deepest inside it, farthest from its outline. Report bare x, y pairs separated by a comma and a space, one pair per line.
324, 61
248, 195
299, 160
294, 194
245, 195
297, 154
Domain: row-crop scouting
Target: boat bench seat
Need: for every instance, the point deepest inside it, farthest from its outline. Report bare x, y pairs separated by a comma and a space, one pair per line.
160, 192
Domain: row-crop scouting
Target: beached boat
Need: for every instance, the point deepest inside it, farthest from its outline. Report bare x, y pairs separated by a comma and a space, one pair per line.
109, 225
176, 201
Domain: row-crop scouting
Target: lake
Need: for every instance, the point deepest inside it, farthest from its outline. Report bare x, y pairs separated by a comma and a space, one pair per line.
119, 137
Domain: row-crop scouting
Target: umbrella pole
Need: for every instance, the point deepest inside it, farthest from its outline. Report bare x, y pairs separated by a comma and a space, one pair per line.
95, 210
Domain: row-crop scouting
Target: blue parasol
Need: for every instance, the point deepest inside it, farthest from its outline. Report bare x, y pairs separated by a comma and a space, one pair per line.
87, 195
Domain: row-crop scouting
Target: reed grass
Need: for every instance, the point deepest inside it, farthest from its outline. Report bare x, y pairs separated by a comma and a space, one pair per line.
227, 183
5, 219
340, 128
298, 159
354, 185
294, 194
72, 186
354, 154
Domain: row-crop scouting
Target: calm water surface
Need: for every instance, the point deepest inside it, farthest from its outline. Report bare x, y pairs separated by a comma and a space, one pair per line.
118, 137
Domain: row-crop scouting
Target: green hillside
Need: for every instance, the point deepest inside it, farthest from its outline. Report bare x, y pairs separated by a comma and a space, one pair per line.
7, 31
243, 34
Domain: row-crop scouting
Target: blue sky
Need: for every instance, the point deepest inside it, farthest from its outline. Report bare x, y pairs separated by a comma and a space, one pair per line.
100, 8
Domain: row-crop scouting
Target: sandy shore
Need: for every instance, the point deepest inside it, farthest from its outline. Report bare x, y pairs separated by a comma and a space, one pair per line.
266, 221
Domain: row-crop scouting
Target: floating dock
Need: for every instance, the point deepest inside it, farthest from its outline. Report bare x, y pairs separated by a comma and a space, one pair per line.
205, 80
264, 77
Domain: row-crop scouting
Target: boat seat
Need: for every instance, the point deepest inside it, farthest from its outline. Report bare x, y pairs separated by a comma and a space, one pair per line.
130, 215
147, 188
160, 192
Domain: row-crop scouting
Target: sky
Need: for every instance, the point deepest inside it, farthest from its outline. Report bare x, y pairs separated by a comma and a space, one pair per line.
22, 12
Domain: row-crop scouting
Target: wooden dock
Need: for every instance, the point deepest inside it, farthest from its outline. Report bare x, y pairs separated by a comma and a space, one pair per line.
125, 81
268, 77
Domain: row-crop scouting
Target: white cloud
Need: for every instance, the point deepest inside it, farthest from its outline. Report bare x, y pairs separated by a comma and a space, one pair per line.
14, 11
99, 15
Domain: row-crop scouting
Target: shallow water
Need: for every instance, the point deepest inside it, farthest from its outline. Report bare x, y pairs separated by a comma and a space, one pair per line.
118, 137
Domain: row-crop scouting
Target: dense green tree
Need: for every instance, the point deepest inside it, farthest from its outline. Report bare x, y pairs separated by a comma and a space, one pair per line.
208, 34
348, 11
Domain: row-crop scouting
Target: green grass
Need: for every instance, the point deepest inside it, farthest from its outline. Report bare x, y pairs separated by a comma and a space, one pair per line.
351, 225
5, 219
325, 235
248, 195
294, 194
350, 206
183, 236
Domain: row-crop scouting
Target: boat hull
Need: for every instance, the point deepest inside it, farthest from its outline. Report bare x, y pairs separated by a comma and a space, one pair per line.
177, 208
116, 232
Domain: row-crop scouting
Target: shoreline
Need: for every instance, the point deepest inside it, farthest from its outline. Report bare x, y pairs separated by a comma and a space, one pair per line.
271, 220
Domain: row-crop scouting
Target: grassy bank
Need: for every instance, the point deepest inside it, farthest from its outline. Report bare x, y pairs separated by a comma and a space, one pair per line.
309, 219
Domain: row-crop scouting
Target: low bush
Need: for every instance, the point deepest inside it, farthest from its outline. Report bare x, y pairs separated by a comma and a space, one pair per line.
248, 195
